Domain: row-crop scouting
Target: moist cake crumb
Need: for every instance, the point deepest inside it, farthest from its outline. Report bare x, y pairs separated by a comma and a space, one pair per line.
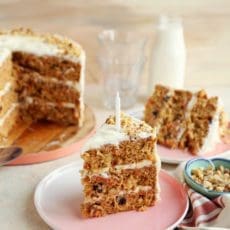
120, 175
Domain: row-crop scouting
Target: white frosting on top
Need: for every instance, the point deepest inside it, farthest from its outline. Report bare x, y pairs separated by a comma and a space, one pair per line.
35, 45
106, 134
6, 89
29, 44
4, 54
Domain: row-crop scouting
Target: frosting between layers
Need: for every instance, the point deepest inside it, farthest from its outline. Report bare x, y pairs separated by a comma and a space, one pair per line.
137, 165
30, 100
104, 172
9, 111
74, 84
213, 136
189, 107
82, 88
138, 188
6, 89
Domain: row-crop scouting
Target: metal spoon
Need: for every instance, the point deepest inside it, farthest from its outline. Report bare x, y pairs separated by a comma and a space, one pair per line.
8, 154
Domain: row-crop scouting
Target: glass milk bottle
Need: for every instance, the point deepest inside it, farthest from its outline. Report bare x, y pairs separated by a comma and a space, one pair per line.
167, 66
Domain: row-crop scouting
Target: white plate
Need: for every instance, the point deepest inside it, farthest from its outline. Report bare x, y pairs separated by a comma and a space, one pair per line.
59, 195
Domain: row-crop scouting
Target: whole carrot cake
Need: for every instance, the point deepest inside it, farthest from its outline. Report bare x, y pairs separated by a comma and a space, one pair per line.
121, 168
186, 120
41, 78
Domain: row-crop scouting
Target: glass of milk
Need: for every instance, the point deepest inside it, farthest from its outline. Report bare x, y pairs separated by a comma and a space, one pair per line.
121, 59
167, 65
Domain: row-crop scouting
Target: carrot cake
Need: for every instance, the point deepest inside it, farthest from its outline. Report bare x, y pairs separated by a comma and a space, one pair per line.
42, 78
121, 168
186, 120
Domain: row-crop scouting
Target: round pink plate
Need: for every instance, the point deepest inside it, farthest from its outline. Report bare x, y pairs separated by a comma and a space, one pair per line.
59, 195
176, 156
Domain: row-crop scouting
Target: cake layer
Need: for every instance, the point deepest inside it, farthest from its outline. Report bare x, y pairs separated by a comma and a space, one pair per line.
8, 120
125, 152
173, 122
156, 106
43, 110
49, 66
116, 180
32, 84
123, 202
7, 98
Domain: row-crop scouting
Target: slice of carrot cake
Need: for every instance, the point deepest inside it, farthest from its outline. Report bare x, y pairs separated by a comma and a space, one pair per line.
186, 120
121, 168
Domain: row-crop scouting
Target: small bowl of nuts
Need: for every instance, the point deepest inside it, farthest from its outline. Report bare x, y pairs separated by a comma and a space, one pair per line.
208, 177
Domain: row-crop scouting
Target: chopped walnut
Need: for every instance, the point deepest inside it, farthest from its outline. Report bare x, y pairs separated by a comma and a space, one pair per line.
213, 179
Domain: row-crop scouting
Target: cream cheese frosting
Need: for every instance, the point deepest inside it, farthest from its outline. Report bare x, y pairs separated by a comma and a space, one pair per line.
6, 89
104, 172
30, 100
35, 45
213, 136
123, 192
106, 134
4, 54
7, 114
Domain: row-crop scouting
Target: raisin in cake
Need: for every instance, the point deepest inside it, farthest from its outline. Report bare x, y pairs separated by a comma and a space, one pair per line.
120, 171
41, 78
186, 120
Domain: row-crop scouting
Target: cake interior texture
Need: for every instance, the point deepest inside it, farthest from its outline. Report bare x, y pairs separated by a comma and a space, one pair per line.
120, 171
42, 78
190, 121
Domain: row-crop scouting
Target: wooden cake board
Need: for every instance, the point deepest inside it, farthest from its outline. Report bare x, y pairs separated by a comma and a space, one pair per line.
45, 141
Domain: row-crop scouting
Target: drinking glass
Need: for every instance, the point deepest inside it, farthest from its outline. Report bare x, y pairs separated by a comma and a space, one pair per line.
121, 57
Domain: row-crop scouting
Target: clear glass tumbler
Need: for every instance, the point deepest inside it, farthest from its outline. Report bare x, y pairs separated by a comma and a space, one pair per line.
121, 58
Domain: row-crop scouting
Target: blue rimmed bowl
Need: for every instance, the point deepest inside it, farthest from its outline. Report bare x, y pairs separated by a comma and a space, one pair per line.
204, 163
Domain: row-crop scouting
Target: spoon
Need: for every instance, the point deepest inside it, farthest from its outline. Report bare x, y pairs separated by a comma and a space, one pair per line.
8, 154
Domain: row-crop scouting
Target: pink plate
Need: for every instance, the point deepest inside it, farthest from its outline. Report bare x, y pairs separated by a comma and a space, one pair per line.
59, 195
176, 156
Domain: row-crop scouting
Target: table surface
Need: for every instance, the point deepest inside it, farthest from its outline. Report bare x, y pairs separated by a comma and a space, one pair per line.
207, 36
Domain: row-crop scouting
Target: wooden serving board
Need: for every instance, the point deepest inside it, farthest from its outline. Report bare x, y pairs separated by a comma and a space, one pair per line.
45, 141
